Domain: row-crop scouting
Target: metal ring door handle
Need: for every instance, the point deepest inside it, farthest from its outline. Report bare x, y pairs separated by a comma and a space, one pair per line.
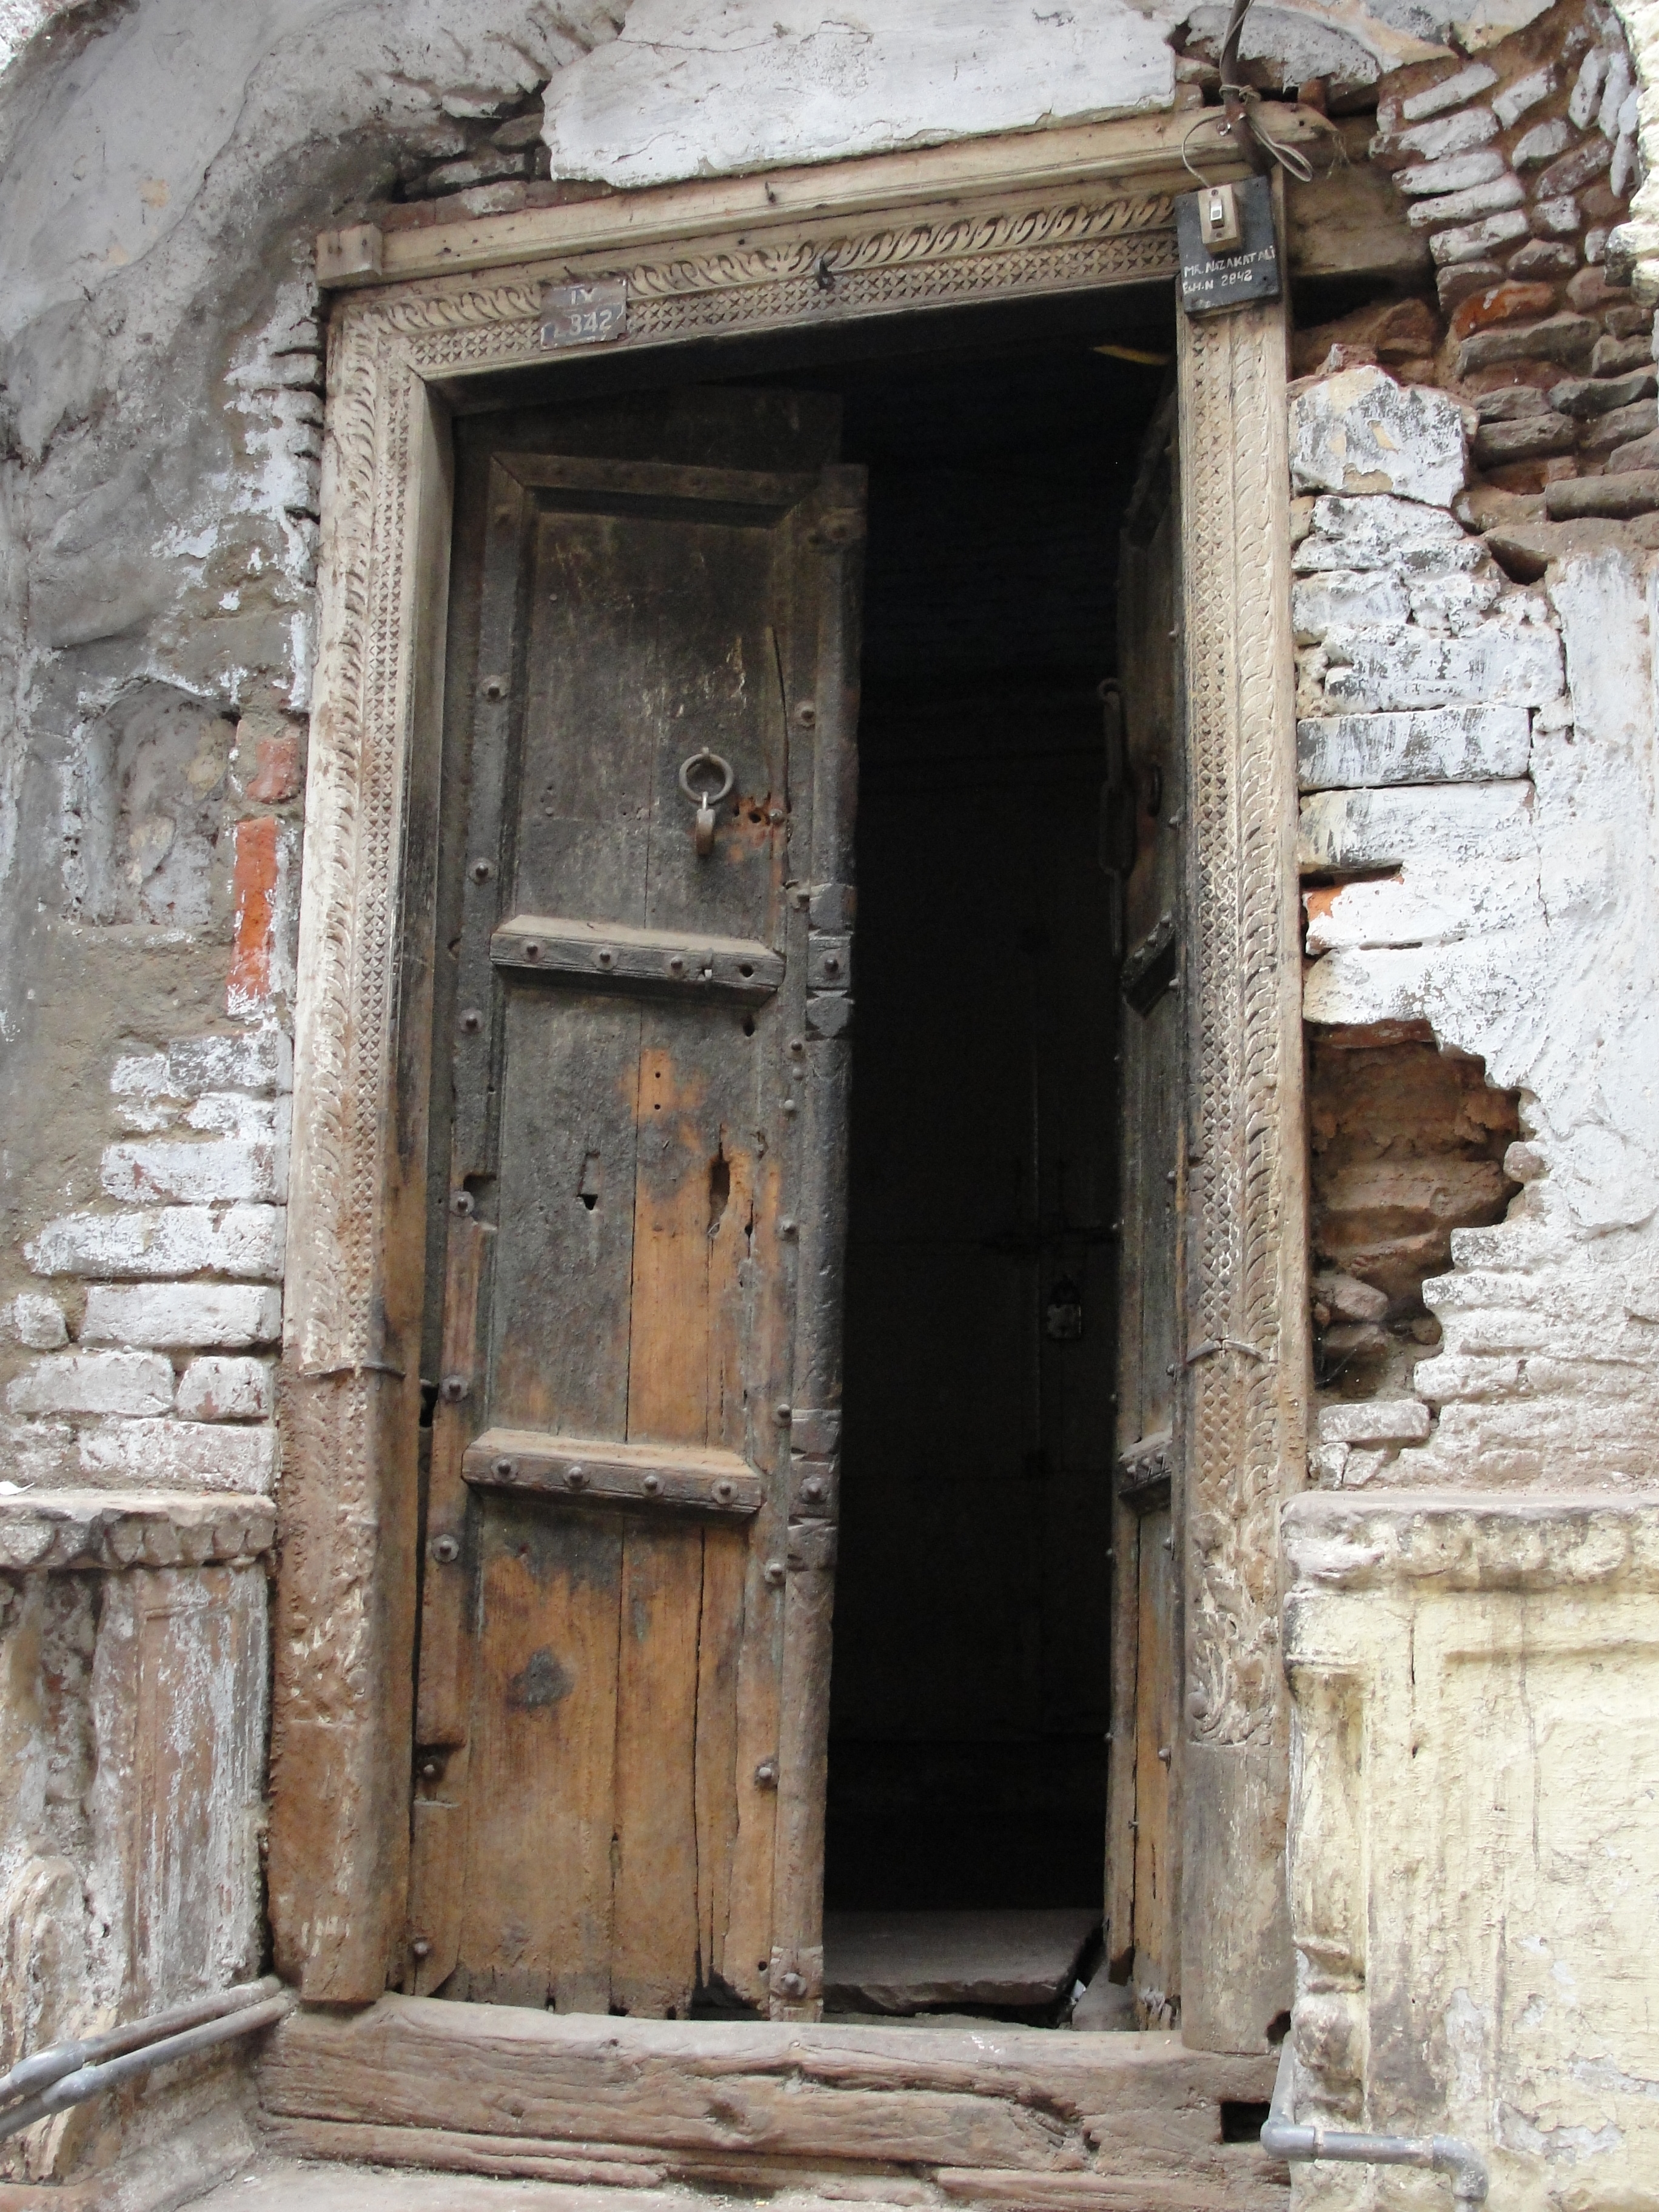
706, 801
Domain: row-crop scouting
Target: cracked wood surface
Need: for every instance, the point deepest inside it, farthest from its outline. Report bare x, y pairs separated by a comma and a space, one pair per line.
1017, 2116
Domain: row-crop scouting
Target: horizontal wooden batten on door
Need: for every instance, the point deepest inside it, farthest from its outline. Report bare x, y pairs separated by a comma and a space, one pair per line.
609, 1474
613, 956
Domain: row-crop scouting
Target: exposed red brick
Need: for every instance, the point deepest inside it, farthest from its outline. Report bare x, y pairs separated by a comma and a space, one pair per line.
1508, 302
1391, 331
1320, 901
1407, 1143
276, 775
253, 887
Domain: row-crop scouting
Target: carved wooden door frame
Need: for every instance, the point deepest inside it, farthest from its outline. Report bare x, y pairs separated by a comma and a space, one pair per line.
400, 355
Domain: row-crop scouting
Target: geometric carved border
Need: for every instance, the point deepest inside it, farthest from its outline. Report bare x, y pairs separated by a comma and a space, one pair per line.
1246, 1370
346, 1579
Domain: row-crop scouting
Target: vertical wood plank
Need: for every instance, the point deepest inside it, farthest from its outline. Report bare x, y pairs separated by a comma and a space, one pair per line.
719, 1782
560, 1304
1155, 1709
1144, 1931
655, 1954
743, 1959
538, 1922
835, 577
679, 1189
442, 1694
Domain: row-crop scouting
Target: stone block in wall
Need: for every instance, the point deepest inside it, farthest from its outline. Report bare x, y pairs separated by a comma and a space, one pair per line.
38, 1320
1461, 859
1493, 1664
1445, 744
1359, 431
1583, 397
1622, 426
1489, 201
1338, 595
225, 1169
1568, 339
1460, 823
243, 1240
1536, 435
1374, 1421
1452, 171
1381, 531
178, 1712
260, 1060
226, 1314
1478, 241
179, 1455
1449, 92
1498, 662
93, 1382
218, 1389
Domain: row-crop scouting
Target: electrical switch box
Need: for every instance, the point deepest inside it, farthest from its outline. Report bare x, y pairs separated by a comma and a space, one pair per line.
1220, 224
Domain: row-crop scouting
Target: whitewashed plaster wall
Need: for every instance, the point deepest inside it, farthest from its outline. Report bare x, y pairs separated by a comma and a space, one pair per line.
1500, 824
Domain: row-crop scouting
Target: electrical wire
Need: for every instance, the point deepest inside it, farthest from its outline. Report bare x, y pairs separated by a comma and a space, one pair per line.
1241, 117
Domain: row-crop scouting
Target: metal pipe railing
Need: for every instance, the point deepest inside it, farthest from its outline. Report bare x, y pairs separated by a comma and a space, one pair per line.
1281, 2138
67, 2073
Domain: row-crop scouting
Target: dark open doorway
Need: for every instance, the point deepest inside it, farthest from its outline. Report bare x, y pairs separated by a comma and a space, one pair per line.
969, 1699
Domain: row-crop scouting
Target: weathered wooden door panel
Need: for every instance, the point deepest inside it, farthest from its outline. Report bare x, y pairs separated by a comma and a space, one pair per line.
650, 961
1143, 1845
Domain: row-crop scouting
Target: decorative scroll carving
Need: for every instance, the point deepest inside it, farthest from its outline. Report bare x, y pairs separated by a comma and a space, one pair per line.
965, 236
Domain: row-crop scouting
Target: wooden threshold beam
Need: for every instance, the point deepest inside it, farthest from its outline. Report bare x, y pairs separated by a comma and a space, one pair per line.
1017, 2115
1137, 150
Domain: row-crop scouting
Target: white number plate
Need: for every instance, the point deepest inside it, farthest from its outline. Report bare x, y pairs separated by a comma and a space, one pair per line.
583, 314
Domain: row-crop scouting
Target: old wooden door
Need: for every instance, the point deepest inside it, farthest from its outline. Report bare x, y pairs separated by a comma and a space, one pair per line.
629, 1534
1142, 832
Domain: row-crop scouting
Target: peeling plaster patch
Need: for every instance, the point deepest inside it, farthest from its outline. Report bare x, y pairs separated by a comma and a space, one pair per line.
1465, 2026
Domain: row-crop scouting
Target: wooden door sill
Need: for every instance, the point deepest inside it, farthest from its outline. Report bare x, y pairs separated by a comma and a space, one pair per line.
1032, 2117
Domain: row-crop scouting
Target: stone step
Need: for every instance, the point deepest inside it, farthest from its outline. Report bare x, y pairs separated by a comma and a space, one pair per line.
282, 2185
